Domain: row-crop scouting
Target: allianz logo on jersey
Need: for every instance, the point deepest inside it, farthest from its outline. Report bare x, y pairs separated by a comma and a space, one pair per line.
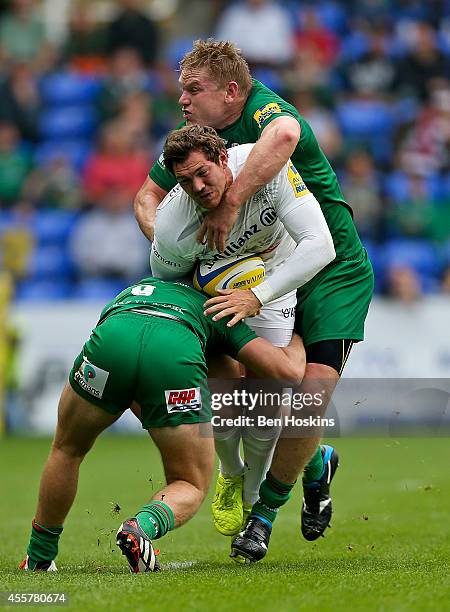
267, 218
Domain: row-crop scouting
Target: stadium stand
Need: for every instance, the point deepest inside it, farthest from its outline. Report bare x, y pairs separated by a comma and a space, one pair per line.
380, 84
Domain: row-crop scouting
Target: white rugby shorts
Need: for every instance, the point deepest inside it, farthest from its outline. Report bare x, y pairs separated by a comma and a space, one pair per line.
276, 320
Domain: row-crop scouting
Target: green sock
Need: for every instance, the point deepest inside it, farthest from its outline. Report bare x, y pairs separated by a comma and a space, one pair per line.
43, 544
272, 495
155, 519
314, 470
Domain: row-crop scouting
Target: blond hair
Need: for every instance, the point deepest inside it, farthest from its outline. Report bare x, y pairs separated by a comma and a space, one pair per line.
180, 143
222, 60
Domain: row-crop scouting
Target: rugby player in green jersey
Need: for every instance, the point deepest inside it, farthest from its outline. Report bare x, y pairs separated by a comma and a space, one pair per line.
147, 350
217, 90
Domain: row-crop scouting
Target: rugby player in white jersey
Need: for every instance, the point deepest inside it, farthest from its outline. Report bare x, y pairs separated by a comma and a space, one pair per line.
283, 224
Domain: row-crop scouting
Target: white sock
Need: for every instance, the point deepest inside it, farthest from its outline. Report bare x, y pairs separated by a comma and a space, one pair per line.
258, 456
228, 450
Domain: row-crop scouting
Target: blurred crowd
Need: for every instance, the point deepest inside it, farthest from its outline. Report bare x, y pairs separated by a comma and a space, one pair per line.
82, 121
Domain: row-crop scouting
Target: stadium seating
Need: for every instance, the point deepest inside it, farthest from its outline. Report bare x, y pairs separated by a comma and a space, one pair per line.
100, 289
40, 290
67, 122
75, 152
420, 255
176, 49
368, 122
67, 88
398, 187
54, 226
50, 262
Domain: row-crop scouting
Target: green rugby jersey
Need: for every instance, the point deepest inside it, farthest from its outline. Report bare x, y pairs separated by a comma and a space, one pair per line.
262, 107
185, 303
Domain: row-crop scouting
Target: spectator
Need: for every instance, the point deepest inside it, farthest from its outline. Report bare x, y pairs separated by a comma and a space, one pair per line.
15, 165
425, 148
419, 207
313, 35
108, 243
322, 121
410, 213
135, 114
54, 185
368, 9
306, 72
373, 71
133, 29
126, 74
423, 63
115, 167
20, 101
86, 43
16, 249
22, 35
432, 11
165, 105
403, 284
360, 185
261, 29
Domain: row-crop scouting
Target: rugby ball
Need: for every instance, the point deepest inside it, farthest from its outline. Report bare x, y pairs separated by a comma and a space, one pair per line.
241, 272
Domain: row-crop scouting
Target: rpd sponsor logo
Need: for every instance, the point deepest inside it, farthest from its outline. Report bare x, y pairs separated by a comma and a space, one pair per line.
181, 400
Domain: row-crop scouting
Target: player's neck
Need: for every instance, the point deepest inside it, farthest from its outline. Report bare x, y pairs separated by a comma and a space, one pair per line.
228, 178
232, 115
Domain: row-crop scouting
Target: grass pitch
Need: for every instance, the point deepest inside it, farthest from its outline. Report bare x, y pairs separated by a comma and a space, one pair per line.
389, 547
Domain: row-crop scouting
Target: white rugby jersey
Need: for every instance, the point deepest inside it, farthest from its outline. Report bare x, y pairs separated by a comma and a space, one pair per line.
282, 223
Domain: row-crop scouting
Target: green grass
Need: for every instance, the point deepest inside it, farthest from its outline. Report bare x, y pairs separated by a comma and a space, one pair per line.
388, 548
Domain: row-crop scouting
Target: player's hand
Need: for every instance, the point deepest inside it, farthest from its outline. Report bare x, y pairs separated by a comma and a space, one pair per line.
218, 223
237, 303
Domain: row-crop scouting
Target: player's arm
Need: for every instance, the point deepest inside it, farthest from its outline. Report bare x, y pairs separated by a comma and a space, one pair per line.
270, 153
147, 200
303, 218
156, 186
287, 363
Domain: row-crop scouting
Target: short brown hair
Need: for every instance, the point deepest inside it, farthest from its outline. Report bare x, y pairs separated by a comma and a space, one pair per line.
223, 61
180, 143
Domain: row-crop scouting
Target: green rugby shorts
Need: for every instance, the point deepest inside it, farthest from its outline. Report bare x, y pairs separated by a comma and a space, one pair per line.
157, 362
334, 304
